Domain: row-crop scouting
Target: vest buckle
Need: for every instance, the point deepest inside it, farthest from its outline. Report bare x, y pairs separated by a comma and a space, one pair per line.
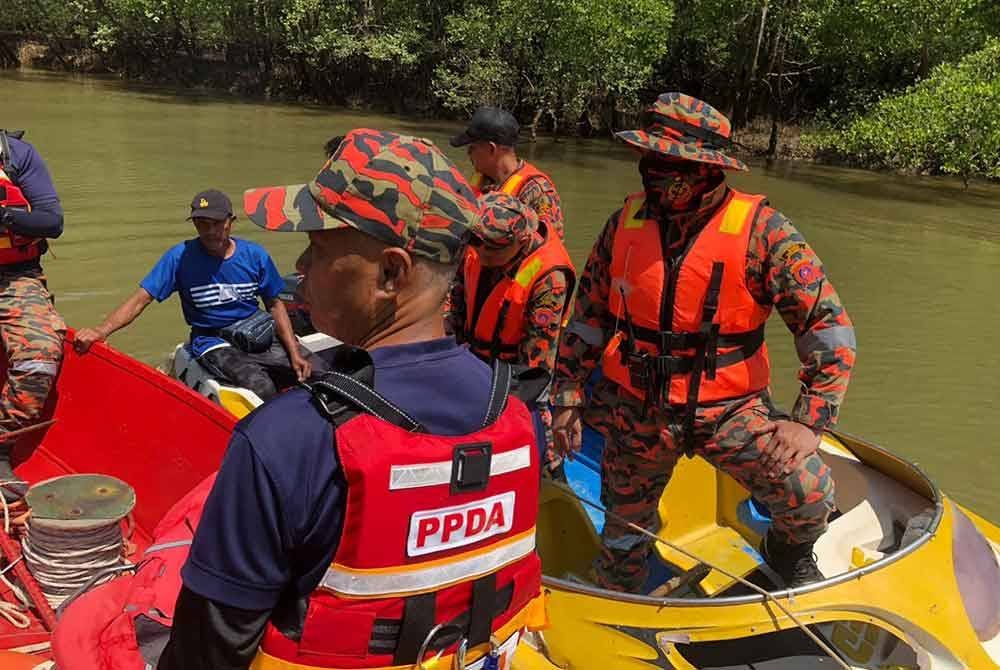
640, 368
470, 467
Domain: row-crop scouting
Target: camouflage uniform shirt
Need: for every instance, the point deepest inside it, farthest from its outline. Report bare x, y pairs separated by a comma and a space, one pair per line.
781, 270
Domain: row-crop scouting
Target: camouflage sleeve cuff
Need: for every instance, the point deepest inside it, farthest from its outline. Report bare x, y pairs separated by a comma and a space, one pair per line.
567, 395
815, 412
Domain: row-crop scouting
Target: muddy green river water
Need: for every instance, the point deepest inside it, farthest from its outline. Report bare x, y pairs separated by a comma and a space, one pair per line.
916, 260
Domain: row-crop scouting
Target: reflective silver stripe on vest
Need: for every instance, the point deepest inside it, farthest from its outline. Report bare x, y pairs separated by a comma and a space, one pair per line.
827, 339
167, 545
433, 474
367, 583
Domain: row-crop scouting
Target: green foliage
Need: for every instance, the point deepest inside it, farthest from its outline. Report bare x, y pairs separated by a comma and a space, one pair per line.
561, 61
557, 56
948, 123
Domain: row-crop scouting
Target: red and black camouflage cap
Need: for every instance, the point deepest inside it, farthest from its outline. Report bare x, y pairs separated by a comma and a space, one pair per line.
684, 127
399, 189
503, 220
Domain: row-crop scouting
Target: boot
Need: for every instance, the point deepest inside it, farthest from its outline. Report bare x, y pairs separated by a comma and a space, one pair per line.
12, 487
794, 563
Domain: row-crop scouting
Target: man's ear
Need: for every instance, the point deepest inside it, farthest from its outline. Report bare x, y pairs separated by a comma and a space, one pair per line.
395, 271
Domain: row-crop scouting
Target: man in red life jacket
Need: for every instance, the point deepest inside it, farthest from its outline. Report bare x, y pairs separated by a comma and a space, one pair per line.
512, 292
491, 137
387, 514
672, 304
31, 330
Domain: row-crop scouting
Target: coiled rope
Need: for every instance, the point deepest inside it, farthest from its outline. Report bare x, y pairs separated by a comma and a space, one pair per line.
15, 614
63, 559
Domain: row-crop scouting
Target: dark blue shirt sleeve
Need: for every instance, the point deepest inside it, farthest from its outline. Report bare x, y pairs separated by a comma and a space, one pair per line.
161, 281
270, 281
32, 176
273, 519
238, 556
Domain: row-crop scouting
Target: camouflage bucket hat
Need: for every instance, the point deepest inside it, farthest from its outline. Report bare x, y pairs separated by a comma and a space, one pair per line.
401, 190
504, 220
687, 128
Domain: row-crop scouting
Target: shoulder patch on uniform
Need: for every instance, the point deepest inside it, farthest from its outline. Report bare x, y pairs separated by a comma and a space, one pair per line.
805, 273
793, 249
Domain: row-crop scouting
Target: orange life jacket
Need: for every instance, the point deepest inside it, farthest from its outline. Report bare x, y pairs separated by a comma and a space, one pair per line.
14, 248
689, 330
514, 184
496, 329
438, 547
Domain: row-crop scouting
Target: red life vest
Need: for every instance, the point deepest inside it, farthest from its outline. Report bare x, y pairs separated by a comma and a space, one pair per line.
497, 328
690, 331
438, 531
14, 248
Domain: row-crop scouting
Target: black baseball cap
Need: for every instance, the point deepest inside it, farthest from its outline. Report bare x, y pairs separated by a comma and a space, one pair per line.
211, 204
489, 124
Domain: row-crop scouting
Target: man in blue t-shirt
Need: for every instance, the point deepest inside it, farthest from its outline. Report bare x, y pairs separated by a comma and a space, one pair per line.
219, 279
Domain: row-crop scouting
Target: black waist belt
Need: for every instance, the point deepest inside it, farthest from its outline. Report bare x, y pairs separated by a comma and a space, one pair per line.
404, 637
665, 340
21, 268
652, 371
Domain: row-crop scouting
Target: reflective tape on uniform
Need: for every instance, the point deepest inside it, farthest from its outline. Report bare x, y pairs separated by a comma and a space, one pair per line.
434, 474
49, 368
827, 339
359, 583
592, 335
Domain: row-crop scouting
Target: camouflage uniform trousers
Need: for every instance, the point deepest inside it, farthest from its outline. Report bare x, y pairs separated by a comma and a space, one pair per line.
641, 449
33, 334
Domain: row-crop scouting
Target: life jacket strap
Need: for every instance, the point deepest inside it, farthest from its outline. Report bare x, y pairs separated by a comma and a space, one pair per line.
705, 358
404, 637
417, 623
6, 160
500, 386
337, 389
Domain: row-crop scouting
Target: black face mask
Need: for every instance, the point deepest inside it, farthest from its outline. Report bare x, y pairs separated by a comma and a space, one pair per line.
675, 186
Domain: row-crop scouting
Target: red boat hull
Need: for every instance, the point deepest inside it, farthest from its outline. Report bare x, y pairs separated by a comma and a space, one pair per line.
117, 416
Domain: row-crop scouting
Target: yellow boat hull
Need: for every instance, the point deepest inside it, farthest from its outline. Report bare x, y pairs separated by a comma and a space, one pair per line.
901, 609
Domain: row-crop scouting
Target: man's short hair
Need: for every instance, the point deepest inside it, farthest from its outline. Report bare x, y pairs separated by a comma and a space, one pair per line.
332, 144
438, 276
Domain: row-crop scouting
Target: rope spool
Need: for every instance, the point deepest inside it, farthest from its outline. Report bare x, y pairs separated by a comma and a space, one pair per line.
74, 532
63, 559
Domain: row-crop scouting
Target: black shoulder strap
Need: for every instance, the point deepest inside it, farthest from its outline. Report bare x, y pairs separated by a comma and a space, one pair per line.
347, 390
336, 386
503, 375
5, 159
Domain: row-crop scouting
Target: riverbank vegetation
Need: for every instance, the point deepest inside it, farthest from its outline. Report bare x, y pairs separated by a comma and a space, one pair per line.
948, 123
880, 78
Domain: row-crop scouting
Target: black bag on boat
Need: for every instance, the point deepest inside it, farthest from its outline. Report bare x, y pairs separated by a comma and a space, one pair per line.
253, 334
